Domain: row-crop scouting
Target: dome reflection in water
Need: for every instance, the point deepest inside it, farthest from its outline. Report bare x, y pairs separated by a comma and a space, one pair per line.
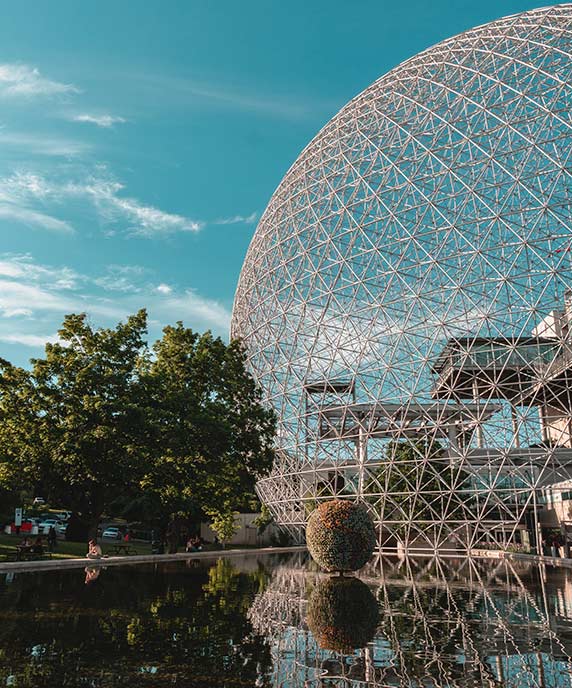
274, 621
442, 622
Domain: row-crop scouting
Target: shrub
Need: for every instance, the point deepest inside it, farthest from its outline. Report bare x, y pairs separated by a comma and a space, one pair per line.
340, 535
342, 614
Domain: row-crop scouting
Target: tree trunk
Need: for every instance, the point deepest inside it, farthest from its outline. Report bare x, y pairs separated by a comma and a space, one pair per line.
93, 525
172, 536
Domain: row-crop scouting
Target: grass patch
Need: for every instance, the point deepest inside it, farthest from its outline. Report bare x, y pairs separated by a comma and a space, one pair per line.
65, 549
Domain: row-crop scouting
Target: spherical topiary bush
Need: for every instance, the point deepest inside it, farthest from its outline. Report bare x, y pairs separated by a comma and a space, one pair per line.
342, 614
340, 535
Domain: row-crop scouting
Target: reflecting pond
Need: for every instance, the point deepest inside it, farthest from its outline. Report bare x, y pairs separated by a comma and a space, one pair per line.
275, 621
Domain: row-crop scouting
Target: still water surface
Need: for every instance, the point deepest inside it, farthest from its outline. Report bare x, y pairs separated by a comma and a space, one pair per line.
274, 621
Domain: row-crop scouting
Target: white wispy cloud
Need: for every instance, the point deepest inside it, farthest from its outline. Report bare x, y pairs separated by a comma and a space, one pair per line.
21, 295
238, 219
34, 298
133, 217
42, 298
31, 340
143, 220
121, 278
136, 218
17, 194
18, 312
22, 265
21, 185
193, 308
23, 81
195, 93
28, 288
45, 145
105, 121
32, 218
8, 268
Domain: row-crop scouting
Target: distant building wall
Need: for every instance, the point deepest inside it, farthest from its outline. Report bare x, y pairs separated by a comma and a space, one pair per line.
558, 426
246, 533
557, 510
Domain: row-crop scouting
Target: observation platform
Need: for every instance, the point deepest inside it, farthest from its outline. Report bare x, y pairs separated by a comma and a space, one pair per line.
553, 384
330, 387
382, 420
494, 368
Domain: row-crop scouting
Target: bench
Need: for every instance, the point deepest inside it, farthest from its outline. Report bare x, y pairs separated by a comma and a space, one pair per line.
31, 553
124, 548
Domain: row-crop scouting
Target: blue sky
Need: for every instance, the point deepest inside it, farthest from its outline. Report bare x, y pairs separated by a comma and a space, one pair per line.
140, 141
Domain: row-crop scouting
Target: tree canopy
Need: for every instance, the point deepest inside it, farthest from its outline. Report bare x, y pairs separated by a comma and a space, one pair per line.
103, 419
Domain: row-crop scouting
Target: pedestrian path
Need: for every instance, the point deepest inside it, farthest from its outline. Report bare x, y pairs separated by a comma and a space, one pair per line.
61, 564
564, 562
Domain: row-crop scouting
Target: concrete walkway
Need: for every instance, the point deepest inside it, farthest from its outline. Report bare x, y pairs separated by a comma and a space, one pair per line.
520, 556
61, 564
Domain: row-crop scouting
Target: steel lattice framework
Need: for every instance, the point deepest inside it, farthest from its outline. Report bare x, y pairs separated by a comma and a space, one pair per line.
404, 299
443, 622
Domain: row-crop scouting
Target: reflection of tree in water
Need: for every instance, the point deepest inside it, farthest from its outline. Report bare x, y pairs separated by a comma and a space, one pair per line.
453, 623
445, 623
154, 626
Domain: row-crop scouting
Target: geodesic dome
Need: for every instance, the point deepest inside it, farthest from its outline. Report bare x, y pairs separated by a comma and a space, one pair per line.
404, 299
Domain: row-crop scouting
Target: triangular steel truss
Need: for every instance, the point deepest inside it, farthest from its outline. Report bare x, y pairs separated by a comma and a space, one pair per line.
407, 285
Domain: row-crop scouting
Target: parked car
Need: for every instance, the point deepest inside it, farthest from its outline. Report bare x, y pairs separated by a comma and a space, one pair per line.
38, 501
61, 528
25, 528
112, 533
45, 525
34, 520
63, 515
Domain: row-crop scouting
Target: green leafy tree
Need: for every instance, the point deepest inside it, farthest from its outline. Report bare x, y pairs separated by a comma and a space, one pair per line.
212, 437
74, 423
100, 422
264, 520
223, 523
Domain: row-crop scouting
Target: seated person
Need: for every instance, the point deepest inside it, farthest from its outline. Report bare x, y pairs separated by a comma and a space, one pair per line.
38, 545
26, 543
194, 544
94, 551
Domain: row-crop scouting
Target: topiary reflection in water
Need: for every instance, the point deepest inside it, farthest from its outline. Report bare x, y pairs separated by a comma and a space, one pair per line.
442, 623
342, 614
141, 626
